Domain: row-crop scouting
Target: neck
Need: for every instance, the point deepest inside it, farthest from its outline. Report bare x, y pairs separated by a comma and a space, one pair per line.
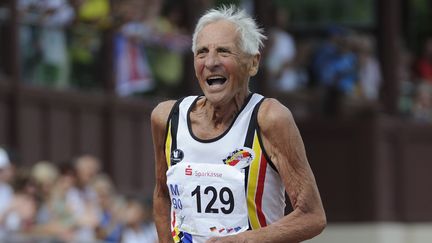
224, 114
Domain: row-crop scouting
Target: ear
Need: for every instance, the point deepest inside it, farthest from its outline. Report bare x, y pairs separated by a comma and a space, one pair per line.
255, 65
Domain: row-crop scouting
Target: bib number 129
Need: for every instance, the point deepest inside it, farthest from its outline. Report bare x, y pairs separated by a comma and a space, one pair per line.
225, 195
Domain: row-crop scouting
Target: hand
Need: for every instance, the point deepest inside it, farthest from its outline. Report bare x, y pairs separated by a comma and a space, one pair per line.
228, 239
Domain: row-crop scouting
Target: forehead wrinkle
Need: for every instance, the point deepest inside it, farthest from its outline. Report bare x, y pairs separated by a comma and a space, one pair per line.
219, 30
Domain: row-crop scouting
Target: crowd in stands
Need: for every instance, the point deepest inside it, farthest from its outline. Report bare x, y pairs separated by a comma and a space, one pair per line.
63, 45
342, 67
69, 202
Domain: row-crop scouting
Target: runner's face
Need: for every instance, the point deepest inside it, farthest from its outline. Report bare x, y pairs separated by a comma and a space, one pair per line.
221, 67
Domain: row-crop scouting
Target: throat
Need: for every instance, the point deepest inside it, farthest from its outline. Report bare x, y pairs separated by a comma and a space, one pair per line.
222, 118
209, 121
212, 122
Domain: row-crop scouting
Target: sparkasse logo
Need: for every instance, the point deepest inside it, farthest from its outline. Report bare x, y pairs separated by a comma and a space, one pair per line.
188, 171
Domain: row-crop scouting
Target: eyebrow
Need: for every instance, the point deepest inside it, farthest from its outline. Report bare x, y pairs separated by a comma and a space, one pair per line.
223, 48
219, 48
198, 50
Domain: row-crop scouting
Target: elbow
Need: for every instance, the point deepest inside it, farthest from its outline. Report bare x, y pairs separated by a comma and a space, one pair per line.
320, 222
315, 222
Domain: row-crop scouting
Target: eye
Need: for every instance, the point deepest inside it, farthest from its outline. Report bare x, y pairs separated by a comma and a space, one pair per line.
223, 50
201, 52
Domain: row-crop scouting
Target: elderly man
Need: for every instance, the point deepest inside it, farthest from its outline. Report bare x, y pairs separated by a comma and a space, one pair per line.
224, 160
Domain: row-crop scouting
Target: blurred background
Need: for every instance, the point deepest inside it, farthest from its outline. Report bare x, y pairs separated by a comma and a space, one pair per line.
79, 79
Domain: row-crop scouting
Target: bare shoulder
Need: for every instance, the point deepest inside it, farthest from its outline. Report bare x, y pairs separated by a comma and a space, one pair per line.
273, 114
160, 113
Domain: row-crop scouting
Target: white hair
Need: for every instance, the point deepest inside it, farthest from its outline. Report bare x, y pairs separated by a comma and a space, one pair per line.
251, 37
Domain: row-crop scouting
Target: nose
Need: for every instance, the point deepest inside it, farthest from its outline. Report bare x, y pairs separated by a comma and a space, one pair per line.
212, 60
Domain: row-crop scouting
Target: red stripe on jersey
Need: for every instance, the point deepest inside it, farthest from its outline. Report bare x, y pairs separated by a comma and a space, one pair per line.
259, 192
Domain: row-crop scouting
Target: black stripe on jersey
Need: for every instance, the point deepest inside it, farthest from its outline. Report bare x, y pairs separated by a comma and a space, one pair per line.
246, 173
249, 143
174, 118
253, 124
254, 121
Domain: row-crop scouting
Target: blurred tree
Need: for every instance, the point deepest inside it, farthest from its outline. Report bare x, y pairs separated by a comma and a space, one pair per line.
419, 13
317, 12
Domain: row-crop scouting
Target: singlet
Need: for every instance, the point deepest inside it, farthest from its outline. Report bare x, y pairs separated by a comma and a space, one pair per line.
224, 185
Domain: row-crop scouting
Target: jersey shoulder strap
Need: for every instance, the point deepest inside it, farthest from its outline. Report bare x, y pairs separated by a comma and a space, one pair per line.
171, 131
254, 130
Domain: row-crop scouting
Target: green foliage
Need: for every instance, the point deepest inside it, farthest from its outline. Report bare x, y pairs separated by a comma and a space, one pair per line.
321, 12
227, 2
418, 23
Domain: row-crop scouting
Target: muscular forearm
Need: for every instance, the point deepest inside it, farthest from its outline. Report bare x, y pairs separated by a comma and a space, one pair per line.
161, 212
293, 228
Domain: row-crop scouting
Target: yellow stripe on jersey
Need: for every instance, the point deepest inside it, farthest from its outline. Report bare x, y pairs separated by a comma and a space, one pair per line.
168, 144
253, 183
176, 233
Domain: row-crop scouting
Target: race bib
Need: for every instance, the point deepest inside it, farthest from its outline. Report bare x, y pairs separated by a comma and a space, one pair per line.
207, 199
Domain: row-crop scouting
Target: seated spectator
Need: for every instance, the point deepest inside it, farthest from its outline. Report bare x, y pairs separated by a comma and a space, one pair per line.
139, 226
45, 174
20, 215
83, 198
109, 228
55, 216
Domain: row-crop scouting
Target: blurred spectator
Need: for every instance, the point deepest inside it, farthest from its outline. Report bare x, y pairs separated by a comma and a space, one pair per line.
45, 175
167, 44
83, 198
150, 40
55, 216
110, 226
280, 58
93, 19
369, 71
407, 85
132, 68
334, 68
28, 38
334, 63
21, 214
139, 226
423, 65
43, 43
422, 109
69, 203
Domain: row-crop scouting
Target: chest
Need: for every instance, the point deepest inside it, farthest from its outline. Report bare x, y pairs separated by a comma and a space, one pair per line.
205, 129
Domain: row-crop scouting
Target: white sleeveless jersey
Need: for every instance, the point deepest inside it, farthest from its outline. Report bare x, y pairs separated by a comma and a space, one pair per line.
220, 186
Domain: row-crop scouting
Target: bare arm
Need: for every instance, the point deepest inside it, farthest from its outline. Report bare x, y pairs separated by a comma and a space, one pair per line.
161, 199
284, 145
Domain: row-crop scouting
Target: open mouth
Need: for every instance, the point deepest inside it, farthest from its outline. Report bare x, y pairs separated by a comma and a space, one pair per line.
216, 80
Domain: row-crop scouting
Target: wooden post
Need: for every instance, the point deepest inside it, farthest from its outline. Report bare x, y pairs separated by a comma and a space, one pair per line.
389, 30
13, 71
262, 14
